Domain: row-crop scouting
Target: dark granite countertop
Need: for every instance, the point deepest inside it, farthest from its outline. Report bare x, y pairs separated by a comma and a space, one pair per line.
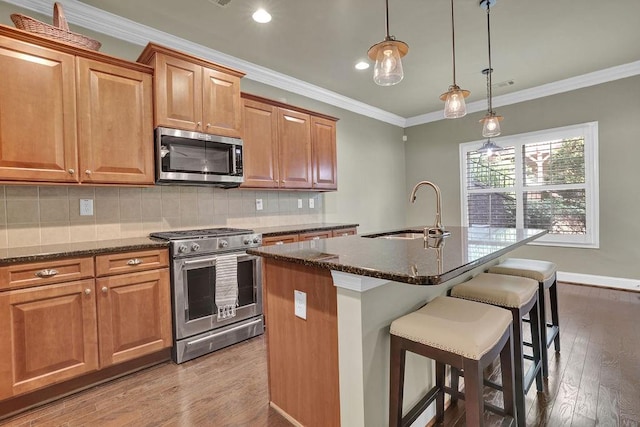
301, 228
404, 260
47, 252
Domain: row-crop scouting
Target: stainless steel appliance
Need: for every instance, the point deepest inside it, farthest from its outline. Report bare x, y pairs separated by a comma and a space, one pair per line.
197, 328
197, 158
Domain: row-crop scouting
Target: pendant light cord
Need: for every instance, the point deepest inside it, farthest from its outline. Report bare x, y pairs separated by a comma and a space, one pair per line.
453, 44
386, 18
489, 50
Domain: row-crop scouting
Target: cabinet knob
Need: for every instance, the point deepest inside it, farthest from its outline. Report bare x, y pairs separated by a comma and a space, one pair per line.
198, 124
49, 272
208, 125
87, 291
134, 261
71, 171
104, 289
88, 172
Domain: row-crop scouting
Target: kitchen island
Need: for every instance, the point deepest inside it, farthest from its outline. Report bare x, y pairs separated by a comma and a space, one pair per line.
330, 304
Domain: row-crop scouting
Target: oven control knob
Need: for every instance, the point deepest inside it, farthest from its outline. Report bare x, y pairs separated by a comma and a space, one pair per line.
247, 241
195, 247
223, 243
182, 248
256, 240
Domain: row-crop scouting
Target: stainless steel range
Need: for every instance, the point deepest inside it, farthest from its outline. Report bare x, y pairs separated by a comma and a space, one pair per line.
205, 263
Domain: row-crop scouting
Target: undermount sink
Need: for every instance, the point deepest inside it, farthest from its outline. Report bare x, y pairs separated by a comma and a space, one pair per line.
404, 234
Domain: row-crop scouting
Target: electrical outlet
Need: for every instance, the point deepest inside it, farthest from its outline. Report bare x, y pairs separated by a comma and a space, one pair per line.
86, 207
312, 203
300, 307
299, 203
258, 204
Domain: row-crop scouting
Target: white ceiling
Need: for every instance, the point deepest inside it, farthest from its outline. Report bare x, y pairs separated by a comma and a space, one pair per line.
318, 42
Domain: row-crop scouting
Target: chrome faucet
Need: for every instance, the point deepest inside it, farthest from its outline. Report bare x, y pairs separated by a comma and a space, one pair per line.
437, 230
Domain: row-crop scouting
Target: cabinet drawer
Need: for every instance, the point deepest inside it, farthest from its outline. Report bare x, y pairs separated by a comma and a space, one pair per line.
45, 273
128, 262
279, 240
315, 235
344, 232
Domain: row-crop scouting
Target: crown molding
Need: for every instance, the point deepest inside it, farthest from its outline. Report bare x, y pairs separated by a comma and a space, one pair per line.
121, 28
561, 86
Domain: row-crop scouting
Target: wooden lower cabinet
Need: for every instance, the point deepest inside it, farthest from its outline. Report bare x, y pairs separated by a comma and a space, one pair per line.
48, 335
55, 329
134, 315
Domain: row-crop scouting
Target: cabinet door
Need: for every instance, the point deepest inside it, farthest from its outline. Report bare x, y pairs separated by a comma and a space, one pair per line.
37, 114
294, 129
260, 144
344, 232
115, 125
323, 148
316, 235
48, 335
134, 315
178, 94
221, 104
279, 240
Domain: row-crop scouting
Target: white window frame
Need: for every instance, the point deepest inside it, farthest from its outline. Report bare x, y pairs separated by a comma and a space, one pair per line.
591, 239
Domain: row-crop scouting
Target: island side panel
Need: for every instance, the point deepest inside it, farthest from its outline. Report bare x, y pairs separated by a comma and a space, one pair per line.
302, 354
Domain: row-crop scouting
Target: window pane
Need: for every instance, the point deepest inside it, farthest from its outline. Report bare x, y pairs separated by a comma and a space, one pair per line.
497, 171
492, 209
559, 212
554, 162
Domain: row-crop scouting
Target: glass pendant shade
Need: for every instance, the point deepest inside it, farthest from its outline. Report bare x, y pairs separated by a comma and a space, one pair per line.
454, 103
491, 125
491, 151
388, 69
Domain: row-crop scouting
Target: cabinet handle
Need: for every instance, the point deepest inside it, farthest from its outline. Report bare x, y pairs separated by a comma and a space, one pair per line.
134, 261
280, 243
344, 234
46, 273
88, 172
104, 289
315, 238
87, 291
71, 171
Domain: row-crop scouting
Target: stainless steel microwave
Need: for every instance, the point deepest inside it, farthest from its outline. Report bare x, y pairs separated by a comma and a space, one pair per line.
185, 157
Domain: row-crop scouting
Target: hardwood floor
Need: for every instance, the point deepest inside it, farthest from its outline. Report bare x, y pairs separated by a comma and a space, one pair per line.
595, 380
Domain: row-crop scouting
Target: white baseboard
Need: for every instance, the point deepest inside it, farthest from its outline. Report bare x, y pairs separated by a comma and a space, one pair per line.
602, 281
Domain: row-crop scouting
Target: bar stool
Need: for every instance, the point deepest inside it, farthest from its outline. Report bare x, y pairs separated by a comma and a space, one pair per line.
544, 273
518, 294
462, 334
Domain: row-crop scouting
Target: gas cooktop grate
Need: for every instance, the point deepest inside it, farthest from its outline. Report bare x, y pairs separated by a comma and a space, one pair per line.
200, 234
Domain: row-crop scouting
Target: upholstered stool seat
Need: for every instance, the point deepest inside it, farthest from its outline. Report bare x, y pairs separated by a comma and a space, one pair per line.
520, 296
544, 273
463, 334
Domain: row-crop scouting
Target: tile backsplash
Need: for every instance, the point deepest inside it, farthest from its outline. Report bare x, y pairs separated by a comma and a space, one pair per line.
51, 214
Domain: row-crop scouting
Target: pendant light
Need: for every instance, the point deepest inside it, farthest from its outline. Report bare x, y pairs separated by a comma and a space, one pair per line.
454, 104
387, 54
491, 150
491, 121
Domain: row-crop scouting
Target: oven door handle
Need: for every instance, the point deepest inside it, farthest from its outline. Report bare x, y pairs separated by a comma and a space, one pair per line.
242, 256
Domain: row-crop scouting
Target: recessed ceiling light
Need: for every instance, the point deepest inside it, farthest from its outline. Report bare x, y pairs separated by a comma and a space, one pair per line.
362, 65
261, 16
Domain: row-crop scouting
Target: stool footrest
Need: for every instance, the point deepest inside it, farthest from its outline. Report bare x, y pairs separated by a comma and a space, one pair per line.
421, 406
553, 334
493, 408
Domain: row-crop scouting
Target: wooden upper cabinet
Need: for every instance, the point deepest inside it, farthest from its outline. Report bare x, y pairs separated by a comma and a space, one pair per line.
260, 144
178, 102
71, 115
115, 126
194, 94
48, 335
294, 130
221, 104
37, 113
323, 146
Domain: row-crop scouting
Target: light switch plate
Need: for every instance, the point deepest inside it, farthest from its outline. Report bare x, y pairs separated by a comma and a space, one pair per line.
300, 299
299, 203
86, 207
312, 203
258, 204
